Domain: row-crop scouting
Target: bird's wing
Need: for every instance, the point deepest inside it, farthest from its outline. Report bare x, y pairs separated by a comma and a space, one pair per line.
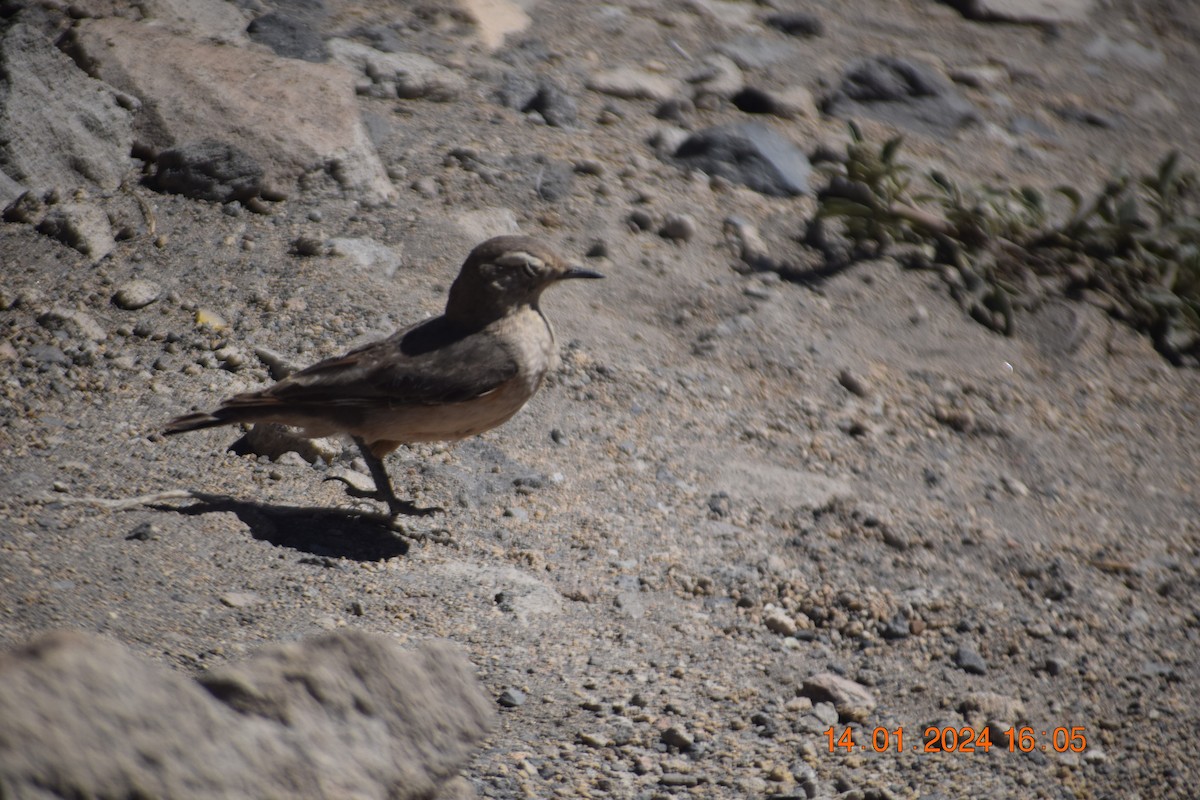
430, 363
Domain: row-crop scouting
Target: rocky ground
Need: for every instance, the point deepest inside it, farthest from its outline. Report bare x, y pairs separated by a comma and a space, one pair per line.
746, 514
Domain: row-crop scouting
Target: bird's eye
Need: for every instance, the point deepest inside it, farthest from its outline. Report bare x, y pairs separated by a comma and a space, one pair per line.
530, 265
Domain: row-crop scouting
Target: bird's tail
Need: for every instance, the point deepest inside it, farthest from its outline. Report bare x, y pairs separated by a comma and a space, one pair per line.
248, 407
198, 421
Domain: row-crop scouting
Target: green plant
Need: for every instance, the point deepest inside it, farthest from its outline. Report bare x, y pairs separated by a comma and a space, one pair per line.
1134, 248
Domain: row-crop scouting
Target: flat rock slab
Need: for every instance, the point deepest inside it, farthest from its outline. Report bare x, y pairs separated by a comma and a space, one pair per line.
341, 715
747, 479
58, 127
748, 153
291, 117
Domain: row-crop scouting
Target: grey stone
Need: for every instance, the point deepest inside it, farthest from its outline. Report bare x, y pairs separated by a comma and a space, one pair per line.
289, 36
1125, 51
826, 713
58, 127
748, 479
214, 20
410, 76
553, 180
541, 95
77, 324
82, 226
368, 255
290, 116
207, 170
719, 77
853, 701
273, 440
748, 153
757, 52
902, 92
10, 190
677, 736
970, 661
634, 84
342, 715
779, 621
679, 227
137, 293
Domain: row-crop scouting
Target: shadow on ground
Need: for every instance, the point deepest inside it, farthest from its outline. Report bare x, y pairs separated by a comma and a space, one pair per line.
322, 532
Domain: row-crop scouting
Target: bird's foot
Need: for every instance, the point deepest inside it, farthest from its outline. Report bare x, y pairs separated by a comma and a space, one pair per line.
404, 508
396, 506
437, 535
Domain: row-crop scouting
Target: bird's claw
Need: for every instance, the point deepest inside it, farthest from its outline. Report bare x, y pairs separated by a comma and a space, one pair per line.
405, 508
396, 506
437, 535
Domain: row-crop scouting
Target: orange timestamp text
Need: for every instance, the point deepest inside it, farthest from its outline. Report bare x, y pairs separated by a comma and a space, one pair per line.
949, 739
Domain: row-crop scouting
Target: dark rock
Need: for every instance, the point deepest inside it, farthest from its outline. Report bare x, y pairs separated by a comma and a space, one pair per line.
641, 220
748, 153
903, 92
897, 628
675, 109
289, 36
796, 23
765, 724
350, 713
207, 170
1037, 12
754, 101
539, 95
144, 532
968, 660
82, 226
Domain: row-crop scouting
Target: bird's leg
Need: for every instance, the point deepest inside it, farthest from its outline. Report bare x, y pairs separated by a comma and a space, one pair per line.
383, 486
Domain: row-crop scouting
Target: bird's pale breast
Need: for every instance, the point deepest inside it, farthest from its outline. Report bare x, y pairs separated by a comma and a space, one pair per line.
529, 336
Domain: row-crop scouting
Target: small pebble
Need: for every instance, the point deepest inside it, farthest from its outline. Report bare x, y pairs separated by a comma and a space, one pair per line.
640, 220
679, 228
240, 599
593, 739
676, 736
511, 698
145, 532
137, 294
778, 621
853, 383
969, 661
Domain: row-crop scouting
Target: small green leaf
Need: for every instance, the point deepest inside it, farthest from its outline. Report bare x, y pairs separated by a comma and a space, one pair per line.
890, 148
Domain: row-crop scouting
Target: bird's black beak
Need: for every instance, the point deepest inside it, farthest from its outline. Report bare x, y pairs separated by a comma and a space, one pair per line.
575, 271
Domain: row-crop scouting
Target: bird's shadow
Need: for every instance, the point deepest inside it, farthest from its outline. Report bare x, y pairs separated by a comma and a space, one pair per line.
321, 532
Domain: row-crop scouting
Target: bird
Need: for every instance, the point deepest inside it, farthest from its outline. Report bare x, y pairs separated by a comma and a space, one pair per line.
443, 379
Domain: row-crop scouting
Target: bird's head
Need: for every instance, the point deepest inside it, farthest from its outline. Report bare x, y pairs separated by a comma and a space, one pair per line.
505, 273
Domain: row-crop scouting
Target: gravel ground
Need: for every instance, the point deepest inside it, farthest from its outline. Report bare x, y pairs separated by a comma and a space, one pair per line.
746, 515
